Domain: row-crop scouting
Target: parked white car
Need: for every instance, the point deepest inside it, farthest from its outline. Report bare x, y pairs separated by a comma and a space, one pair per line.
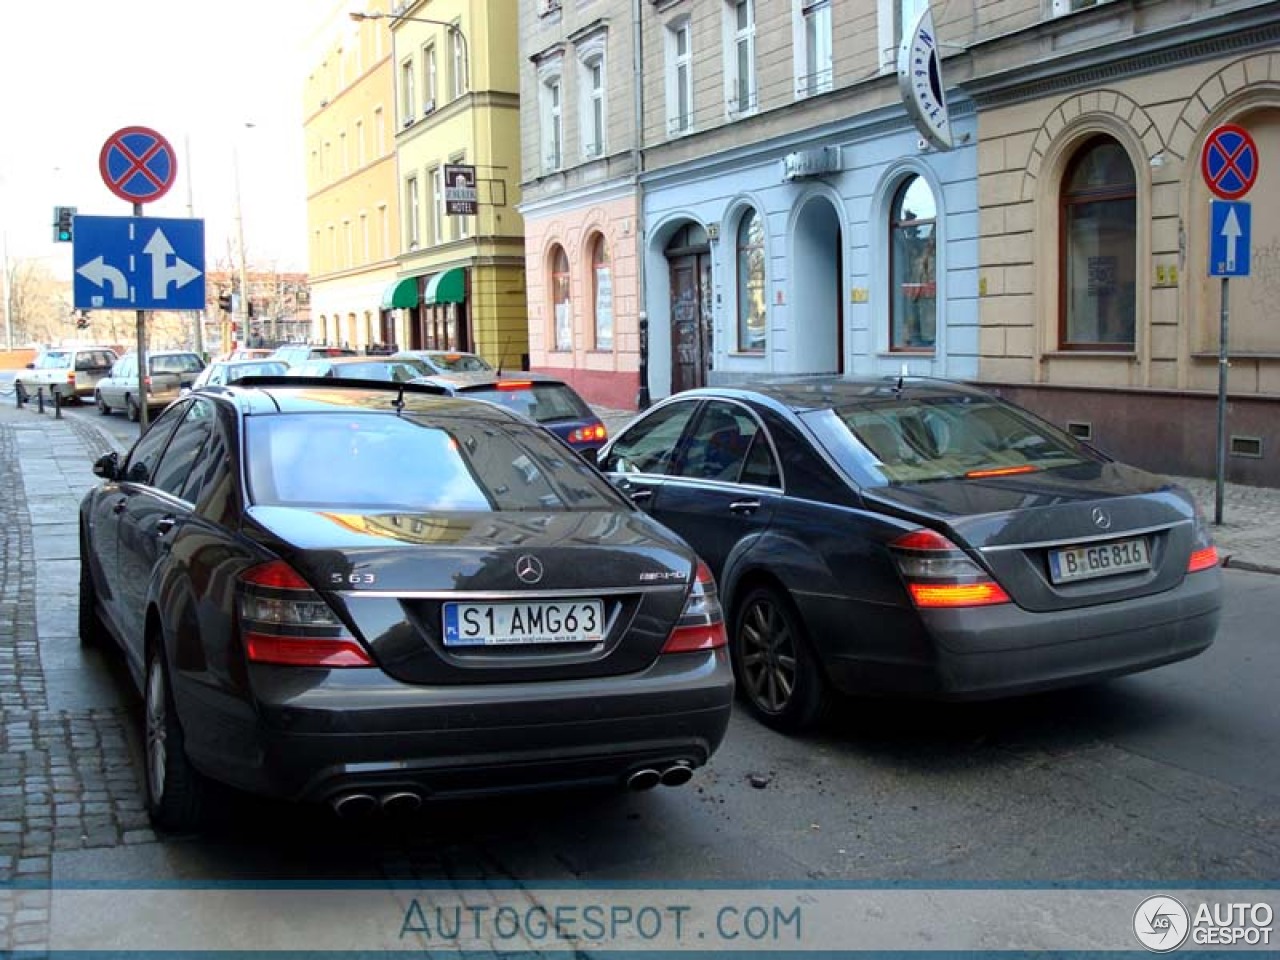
70, 372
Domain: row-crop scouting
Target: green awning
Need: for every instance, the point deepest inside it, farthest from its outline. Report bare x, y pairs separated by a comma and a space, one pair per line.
401, 293
447, 287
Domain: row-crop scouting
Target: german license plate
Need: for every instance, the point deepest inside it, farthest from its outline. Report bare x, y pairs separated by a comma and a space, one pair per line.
517, 624
1098, 560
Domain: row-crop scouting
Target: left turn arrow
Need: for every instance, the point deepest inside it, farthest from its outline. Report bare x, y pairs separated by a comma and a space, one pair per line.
97, 272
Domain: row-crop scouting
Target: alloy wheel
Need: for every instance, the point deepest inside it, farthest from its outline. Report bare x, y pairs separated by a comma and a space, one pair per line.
768, 656
157, 731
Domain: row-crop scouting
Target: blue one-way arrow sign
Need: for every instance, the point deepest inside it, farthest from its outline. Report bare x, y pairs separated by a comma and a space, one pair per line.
1228, 238
138, 263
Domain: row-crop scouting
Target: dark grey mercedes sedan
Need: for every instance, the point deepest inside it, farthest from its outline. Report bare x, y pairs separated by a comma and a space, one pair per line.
915, 536
365, 595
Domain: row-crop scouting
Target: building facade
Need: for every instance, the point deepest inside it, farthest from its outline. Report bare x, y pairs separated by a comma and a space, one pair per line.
460, 277
353, 211
1097, 305
580, 138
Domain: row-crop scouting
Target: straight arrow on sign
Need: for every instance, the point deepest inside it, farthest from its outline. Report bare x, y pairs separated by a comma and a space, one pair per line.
180, 273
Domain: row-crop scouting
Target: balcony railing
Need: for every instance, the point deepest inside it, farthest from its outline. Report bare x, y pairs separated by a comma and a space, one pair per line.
814, 83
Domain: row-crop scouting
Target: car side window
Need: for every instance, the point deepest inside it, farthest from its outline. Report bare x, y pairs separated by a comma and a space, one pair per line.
145, 455
175, 467
718, 447
649, 445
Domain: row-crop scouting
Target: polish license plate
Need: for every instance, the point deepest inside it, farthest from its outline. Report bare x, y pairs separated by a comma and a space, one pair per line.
1098, 560
519, 624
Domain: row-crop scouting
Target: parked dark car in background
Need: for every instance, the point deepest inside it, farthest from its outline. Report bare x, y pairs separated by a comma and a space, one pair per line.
366, 596
914, 536
545, 400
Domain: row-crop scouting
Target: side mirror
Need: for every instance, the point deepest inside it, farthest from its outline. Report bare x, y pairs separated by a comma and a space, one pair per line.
107, 466
31, 366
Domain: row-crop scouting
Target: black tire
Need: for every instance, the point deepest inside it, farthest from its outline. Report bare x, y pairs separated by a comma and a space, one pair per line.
132, 410
92, 632
776, 669
102, 404
175, 790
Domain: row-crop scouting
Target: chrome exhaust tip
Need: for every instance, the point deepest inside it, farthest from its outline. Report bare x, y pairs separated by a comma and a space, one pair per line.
401, 802
645, 779
676, 775
351, 805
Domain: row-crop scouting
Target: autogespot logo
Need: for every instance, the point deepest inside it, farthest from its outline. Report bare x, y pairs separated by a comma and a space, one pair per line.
1161, 923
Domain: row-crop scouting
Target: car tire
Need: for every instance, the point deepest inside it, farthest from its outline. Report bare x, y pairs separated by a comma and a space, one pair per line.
132, 409
102, 404
774, 665
175, 790
92, 632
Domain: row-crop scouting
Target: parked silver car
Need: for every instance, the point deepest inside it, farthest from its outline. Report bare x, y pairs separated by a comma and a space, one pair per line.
170, 372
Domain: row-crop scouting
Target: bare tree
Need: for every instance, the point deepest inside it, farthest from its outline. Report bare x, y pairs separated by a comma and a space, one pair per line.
41, 303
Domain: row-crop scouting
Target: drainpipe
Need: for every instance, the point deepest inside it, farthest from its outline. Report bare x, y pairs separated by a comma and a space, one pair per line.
637, 162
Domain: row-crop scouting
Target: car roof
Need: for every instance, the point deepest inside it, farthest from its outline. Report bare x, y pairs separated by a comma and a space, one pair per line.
485, 378
800, 394
278, 393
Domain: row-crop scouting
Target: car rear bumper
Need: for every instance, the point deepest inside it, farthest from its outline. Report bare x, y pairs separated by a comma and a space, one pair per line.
316, 734
988, 652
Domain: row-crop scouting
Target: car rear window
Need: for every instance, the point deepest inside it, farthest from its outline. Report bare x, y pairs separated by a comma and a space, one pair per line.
54, 360
459, 362
376, 370
542, 402
411, 463
943, 438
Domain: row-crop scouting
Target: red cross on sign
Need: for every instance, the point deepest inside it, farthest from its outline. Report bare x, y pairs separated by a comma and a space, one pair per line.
137, 164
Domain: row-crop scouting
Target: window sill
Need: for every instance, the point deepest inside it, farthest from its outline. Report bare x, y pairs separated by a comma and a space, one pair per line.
1129, 356
1235, 355
749, 354
909, 352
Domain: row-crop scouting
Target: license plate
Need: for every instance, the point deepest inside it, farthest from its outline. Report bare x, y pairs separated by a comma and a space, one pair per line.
507, 624
1098, 560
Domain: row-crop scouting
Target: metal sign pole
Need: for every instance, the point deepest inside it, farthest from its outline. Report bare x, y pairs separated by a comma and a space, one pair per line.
142, 356
1222, 408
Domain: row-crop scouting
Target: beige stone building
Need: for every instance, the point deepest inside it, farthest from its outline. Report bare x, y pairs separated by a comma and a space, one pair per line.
352, 199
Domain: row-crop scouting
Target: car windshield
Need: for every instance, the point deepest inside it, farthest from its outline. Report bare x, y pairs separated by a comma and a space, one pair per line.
376, 370
543, 402
917, 440
458, 362
416, 464
258, 368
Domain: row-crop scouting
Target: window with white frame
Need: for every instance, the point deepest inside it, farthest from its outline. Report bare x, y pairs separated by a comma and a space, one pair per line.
342, 151
413, 205
364, 236
1061, 7
740, 56
438, 218
360, 147
461, 222
460, 65
384, 229
560, 305
602, 288
592, 124
552, 123
752, 309
429, 78
380, 131
679, 77
813, 47
913, 273
348, 243
892, 17
408, 93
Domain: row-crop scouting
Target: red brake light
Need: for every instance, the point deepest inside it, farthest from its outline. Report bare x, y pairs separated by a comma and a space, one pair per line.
940, 574
513, 384
1204, 559
701, 625
591, 434
284, 621
1001, 471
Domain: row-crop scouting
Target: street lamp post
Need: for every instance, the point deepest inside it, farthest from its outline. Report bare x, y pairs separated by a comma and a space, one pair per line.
453, 29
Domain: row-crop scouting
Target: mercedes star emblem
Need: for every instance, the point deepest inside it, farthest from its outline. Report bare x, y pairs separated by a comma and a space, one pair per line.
1101, 519
529, 569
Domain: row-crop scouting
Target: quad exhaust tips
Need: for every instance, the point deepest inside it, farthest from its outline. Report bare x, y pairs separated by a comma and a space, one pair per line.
647, 778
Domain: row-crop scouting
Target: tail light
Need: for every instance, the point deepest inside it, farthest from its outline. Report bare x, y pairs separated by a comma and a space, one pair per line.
596, 433
284, 621
71, 376
1204, 555
940, 574
701, 624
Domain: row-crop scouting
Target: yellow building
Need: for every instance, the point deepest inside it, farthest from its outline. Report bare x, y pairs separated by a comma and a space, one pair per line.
460, 279
352, 198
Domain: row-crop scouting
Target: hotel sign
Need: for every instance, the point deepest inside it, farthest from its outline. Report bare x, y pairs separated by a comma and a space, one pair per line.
810, 163
920, 81
460, 189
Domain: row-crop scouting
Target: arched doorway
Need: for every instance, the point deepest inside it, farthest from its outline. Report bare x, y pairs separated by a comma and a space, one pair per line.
688, 256
818, 287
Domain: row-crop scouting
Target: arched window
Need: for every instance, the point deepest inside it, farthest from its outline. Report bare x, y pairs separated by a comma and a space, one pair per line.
560, 299
1098, 259
751, 298
913, 276
602, 288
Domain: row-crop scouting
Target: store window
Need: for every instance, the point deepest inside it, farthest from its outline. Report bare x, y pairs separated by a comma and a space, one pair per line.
602, 288
751, 298
1098, 257
560, 299
913, 274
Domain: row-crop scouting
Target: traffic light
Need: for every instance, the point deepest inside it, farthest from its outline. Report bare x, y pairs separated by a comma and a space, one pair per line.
63, 221
82, 320
224, 303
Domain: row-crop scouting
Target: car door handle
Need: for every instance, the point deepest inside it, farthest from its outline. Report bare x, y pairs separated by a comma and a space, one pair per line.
639, 495
744, 508
164, 525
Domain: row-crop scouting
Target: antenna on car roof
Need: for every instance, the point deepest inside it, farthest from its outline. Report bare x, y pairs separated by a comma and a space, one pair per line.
902, 375
398, 402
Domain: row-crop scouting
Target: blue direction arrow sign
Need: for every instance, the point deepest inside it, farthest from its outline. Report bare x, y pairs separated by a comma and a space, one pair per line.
138, 263
1228, 238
